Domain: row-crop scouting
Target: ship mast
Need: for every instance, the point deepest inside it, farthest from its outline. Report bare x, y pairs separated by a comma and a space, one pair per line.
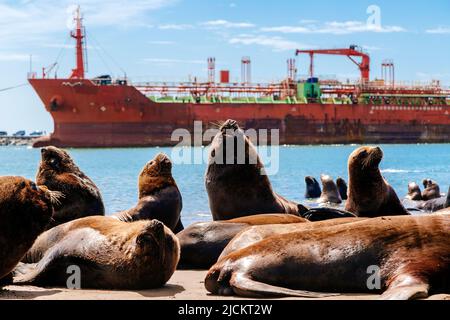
78, 35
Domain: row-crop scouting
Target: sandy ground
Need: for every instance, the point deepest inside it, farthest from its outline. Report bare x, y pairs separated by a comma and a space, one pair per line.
184, 285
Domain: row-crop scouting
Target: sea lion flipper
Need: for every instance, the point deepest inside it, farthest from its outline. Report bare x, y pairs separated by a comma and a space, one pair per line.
324, 213
406, 288
246, 287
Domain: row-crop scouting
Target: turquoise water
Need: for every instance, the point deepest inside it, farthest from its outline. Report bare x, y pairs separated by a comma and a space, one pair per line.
115, 171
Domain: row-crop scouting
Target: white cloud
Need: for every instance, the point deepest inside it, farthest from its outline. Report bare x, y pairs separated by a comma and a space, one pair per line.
439, 30
14, 57
175, 27
162, 42
33, 21
371, 48
334, 27
173, 61
227, 24
276, 43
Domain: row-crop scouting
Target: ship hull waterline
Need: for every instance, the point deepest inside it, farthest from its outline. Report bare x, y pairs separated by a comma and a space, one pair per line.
89, 115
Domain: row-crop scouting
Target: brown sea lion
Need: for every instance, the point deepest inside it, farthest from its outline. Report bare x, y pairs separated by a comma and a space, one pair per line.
159, 196
409, 255
111, 254
432, 190
235, 179
370, 195
414, 192
437, 204
312, 188
330, 192
343, 188
254, 234
81, 197
25, 211
202, 243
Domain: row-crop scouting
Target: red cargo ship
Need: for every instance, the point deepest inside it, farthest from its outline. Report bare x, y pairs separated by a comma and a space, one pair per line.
103, 112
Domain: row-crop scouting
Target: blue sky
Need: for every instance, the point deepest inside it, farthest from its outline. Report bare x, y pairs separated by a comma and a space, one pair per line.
171, 39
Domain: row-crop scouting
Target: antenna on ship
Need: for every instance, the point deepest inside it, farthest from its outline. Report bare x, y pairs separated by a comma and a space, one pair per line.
211, 70
78, 34
246, 71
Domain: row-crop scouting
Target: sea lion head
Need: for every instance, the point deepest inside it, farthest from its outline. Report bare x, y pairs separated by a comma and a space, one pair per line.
327, 183
55, 160
231, 146
414, 191
158, 250
155, 175
342, 187
427, 183
25, 204
312, 187
365, 159
330, 192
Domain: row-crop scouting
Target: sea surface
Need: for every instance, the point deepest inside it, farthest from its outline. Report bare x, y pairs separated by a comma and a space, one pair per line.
115, 171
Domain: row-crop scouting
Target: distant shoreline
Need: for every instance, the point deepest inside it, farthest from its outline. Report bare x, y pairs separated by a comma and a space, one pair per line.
16, 141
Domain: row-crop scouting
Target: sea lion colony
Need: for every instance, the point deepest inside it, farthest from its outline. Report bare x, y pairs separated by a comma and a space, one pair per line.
266, 246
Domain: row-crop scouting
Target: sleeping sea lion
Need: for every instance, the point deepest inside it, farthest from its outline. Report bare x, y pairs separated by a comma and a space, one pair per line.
110, 254
408, 256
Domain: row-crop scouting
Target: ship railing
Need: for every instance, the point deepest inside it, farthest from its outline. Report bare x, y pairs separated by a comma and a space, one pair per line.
165, 88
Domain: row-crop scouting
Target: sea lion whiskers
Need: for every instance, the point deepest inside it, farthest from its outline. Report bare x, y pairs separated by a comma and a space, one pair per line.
217, 124
55, 197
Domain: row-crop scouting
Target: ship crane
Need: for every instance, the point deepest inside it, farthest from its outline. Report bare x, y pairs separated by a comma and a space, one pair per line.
353, 51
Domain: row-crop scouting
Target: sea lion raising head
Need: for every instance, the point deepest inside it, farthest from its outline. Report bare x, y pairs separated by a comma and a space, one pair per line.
235, 179
312, 188
159, 196
80, 196
330, 192
369, 193
111, 254
25, 211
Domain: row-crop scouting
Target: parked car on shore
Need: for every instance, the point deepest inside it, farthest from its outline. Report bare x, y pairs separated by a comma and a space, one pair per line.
20, 133
3, 133
37, 134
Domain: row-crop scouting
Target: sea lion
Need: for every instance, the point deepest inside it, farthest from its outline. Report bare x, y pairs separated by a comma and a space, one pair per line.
414, 192
254, 234
435, 204
330, 192
412, 255
432, 190
25, 211
159, 196
312, 188
111, 254
370, 195
202, 243
342, 186
81, 197
235, 179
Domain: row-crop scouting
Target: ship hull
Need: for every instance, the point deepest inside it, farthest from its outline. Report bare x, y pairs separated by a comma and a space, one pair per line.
89, 115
